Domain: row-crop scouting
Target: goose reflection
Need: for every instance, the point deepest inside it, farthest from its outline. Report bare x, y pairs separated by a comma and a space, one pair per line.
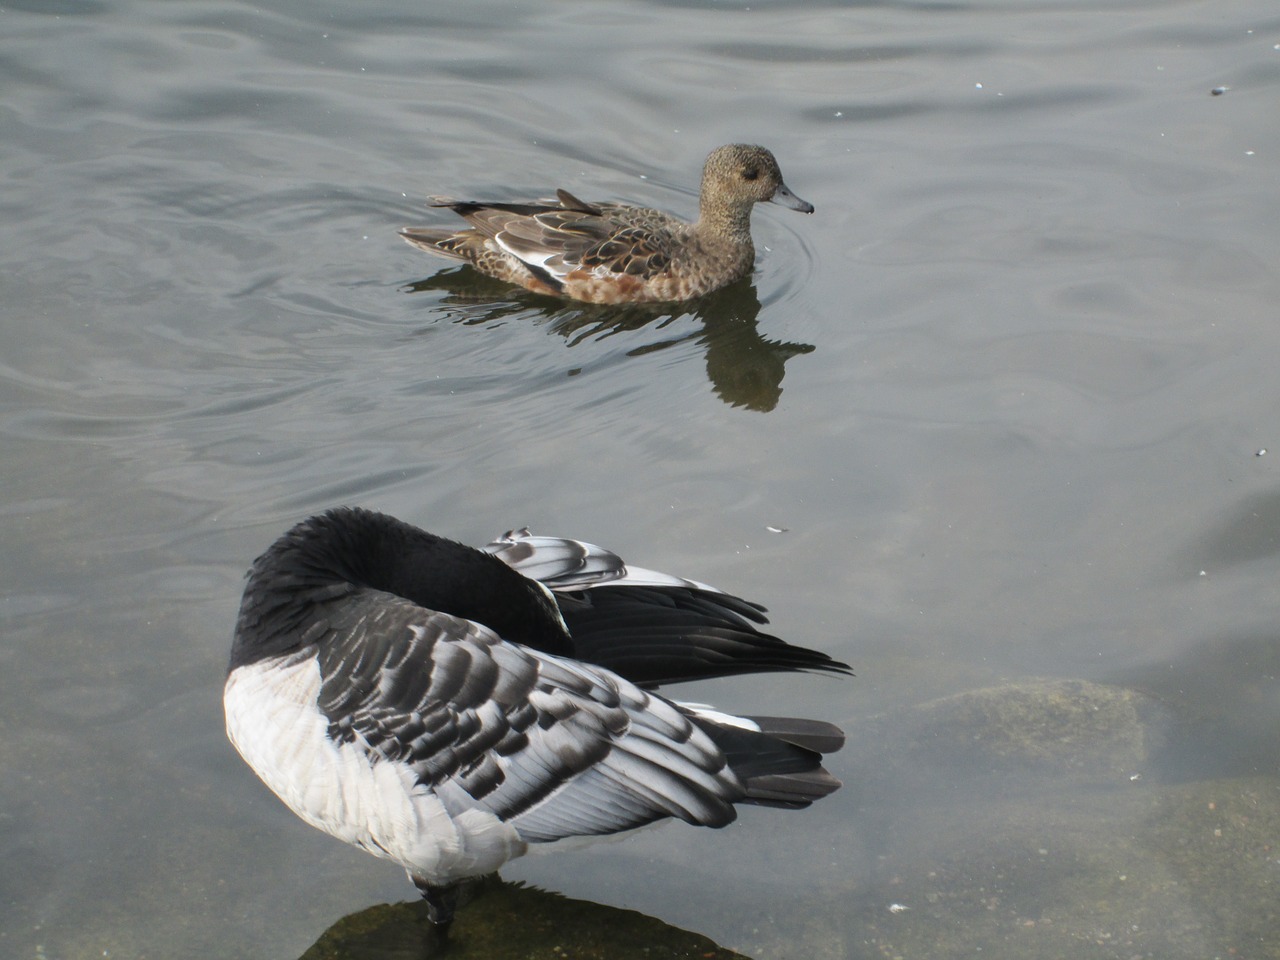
507, 921
745, 368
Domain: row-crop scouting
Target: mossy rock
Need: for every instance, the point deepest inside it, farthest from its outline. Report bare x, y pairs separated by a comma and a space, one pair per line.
1040, 727
508, 920
1181, 872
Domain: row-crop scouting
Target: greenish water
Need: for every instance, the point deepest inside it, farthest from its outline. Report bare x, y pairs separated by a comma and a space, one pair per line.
1005, 393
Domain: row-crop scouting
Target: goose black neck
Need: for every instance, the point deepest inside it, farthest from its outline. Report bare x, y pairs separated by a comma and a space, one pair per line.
307, 569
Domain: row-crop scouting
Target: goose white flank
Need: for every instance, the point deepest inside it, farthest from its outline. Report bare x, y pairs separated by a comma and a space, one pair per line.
447, 707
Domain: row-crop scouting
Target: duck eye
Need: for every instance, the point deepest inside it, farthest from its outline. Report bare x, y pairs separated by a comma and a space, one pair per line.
751, 173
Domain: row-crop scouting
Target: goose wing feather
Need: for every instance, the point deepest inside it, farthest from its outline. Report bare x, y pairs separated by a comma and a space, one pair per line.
652, 628
486, 723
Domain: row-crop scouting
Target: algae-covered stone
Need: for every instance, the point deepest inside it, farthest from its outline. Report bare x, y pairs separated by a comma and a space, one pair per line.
507, 920
1182, 872
1220, 840
1029, 727
1030, 821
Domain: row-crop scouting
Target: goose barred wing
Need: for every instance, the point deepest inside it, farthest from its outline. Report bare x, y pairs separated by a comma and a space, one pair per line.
563, 564
652, 628
552, 747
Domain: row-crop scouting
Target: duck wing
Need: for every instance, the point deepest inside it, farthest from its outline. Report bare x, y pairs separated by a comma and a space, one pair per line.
558, 237
650, 627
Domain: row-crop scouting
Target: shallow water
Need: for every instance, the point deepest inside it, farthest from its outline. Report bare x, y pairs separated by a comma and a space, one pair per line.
1006, 393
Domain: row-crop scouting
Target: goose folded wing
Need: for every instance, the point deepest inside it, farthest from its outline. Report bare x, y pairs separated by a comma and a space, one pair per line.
550, 746
563, 564
652, 628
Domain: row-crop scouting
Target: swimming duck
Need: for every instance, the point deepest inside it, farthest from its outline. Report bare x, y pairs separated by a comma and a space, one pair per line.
613, 253
447, 707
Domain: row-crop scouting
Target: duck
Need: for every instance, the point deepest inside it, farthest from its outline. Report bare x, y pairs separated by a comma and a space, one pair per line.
614, 253
448, 708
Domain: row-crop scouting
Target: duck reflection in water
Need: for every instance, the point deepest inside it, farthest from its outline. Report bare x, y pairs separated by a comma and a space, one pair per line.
745, 368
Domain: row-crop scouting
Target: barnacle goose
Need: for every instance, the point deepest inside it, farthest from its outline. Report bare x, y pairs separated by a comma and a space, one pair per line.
445, 707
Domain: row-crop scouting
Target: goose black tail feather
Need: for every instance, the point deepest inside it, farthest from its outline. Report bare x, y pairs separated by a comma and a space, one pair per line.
780, 765
660, 635
815, 735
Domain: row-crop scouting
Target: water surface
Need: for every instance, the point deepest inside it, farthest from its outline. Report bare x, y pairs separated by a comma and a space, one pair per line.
1006, 393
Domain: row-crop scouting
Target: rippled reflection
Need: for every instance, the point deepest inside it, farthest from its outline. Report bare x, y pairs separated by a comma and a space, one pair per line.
744, 367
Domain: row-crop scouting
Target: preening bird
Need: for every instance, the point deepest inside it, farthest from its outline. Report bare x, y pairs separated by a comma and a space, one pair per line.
447, 707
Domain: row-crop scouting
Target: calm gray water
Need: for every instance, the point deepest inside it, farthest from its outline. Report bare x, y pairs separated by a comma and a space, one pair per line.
1006, 392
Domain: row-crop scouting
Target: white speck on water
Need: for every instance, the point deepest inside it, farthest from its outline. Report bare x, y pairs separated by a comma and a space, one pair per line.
898, 907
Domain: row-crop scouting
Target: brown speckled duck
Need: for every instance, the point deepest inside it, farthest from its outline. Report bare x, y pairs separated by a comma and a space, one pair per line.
614, 253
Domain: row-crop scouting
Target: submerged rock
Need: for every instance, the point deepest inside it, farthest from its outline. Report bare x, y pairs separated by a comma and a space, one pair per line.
1030, 727
1182, 872
1030, 821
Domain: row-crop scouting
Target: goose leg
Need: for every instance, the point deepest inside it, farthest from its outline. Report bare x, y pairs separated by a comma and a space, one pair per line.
441, 902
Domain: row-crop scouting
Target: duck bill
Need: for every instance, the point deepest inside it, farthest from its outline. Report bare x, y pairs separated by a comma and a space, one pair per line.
786, 198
